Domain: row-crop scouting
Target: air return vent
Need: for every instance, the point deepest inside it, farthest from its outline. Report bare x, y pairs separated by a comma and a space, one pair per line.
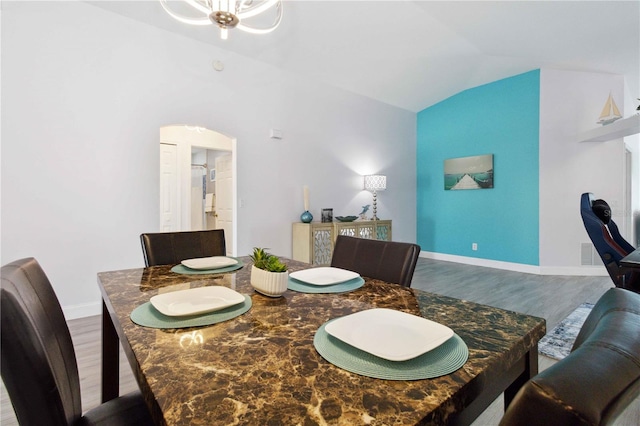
589, 255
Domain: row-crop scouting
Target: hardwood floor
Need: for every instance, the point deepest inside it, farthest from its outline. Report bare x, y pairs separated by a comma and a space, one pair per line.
549, 297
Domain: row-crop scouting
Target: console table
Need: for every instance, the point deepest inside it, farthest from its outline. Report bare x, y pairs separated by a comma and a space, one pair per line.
313, 242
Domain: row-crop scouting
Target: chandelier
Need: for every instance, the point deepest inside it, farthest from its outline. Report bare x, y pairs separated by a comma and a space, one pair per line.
225, 14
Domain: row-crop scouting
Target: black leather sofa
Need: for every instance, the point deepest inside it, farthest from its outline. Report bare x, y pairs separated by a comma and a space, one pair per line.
598, 379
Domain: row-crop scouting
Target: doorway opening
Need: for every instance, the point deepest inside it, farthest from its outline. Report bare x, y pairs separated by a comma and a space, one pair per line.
197, 181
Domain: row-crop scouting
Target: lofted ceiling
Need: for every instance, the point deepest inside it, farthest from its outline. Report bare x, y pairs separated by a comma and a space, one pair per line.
413, 54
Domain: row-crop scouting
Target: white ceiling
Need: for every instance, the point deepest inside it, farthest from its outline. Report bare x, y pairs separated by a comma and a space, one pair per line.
412, 54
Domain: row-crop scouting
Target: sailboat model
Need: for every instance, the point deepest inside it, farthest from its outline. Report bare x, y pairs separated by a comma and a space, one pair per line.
610, 112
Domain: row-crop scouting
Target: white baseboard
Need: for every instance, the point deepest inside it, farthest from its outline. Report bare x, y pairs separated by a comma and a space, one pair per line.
586, 271
82, 311
518, 267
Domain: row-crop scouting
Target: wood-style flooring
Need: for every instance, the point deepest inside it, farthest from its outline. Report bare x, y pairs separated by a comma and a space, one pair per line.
549, 297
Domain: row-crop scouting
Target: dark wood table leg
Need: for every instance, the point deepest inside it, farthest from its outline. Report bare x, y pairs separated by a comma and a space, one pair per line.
508, 382
530, 370
110, 358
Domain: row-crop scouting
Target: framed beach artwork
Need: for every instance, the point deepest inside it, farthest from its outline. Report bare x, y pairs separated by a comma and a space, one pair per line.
468, 172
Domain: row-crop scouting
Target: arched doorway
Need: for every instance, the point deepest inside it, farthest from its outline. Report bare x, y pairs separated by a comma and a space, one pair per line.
214, 156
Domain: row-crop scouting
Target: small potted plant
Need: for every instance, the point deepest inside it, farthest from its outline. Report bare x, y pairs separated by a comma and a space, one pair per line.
269, 275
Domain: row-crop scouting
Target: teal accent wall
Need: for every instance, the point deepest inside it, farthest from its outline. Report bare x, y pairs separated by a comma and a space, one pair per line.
500, 118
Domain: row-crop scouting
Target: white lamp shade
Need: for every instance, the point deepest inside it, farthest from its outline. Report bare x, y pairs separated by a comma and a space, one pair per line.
375, 182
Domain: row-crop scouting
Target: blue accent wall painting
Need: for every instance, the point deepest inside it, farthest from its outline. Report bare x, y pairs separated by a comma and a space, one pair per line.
501, 118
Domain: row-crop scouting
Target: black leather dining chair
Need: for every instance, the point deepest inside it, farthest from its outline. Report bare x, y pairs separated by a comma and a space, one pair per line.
39, 366
168, 248
389, 261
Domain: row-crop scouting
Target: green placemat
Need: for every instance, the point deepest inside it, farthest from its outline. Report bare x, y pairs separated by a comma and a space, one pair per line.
344, 287
148, 316
181, 269
444, 359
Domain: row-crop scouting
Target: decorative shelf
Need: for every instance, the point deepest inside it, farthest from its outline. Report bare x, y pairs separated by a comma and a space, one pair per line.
616, 130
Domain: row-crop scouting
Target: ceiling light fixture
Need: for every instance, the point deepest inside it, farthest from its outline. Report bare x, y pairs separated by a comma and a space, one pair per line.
225, 14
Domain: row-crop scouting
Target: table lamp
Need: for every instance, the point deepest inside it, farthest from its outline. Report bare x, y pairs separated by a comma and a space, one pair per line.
375, 183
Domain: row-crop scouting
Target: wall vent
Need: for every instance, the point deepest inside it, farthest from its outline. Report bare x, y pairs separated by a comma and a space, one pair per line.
588, 255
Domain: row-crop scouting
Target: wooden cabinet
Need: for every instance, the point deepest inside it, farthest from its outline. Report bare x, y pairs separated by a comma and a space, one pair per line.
313, 242
371, 229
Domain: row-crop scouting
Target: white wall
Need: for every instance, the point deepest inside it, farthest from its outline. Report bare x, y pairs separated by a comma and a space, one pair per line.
84, 93
570, 103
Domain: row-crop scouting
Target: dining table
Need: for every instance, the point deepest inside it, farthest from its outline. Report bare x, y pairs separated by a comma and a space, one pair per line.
262, 368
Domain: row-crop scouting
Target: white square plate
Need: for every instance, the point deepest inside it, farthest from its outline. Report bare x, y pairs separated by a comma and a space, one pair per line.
196, 301
389, 334
324, 276
214, 262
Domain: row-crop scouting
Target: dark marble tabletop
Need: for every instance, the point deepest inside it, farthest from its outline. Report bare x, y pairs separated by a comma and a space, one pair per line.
262, 369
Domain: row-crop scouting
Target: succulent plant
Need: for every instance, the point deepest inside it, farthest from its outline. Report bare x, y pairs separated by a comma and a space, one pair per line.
268, 262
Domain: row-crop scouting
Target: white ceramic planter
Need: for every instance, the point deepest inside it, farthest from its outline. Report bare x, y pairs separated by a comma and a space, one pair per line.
272, 284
